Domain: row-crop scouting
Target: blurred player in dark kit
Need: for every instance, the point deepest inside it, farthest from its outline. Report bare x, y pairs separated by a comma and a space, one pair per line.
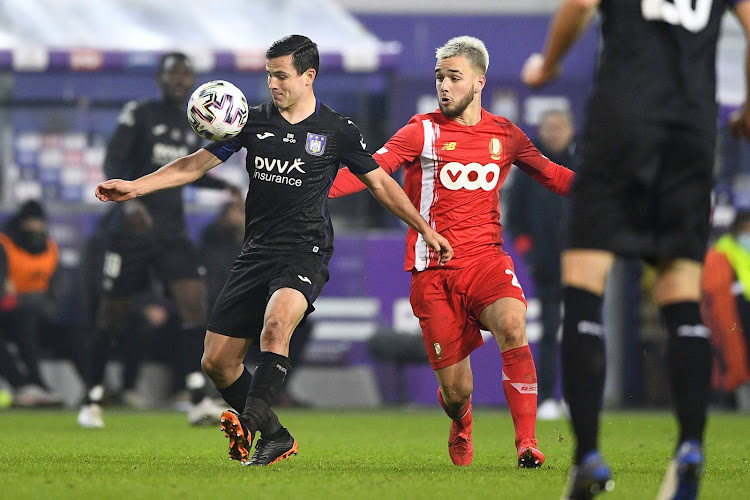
455, 161
149, 237
643, 189
295, 145
533, 219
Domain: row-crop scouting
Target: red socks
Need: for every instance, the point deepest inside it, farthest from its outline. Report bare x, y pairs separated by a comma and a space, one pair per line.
519, 385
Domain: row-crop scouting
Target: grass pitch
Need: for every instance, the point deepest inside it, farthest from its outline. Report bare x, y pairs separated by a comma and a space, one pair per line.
391, 454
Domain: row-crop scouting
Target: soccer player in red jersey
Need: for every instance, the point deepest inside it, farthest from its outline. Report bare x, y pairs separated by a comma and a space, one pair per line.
455, 160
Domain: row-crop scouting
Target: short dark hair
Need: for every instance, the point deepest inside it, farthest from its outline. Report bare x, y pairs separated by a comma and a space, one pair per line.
304, 52
179, 56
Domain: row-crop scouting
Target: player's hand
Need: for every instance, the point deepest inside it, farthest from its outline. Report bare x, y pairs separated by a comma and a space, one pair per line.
534, 72
115, 190
439, 245
739, 122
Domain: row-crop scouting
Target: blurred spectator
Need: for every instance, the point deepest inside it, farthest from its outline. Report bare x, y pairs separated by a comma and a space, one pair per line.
533, 219
31, 298
220, 244
147, 238
726, 309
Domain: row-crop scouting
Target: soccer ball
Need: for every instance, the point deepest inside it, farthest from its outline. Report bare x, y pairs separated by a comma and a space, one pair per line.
217, 110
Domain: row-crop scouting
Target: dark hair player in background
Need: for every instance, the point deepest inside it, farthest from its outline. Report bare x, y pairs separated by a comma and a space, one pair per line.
149, 237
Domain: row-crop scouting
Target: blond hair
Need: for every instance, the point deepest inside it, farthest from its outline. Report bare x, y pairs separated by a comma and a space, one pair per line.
470, 47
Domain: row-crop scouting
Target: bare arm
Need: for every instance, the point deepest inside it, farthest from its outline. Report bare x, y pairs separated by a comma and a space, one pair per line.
177, 173
740, 121
571, 19
389, 193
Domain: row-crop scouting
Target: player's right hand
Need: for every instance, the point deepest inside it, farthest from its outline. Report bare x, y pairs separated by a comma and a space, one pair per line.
115, 190
534, 72
440, 246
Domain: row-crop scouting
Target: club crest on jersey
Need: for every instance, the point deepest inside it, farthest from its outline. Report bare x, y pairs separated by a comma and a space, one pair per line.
315, 144
495, 148
438, 350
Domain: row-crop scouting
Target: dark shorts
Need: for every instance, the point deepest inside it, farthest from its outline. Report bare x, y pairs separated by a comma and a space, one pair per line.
643, 190
241, 305
132, 260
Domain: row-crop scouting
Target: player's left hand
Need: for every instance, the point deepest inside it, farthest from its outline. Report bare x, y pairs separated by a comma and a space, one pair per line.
115, 190
739, 122
439, 245
534, 72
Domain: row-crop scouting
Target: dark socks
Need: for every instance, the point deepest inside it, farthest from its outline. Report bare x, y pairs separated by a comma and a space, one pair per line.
98, 355
267, 381
689, 352
236, 394
583, 365
191, 349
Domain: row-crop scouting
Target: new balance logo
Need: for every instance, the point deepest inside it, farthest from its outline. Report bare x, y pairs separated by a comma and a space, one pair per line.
264, 135
305, 279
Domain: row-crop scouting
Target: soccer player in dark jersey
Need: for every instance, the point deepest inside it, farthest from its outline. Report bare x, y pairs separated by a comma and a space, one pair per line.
295, 145
149, 237
455, 160
643, 189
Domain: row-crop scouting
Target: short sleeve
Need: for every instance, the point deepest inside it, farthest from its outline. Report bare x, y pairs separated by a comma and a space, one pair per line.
404, 147
354, 152
224, 149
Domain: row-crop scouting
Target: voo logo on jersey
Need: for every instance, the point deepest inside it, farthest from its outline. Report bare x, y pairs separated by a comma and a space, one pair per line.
266, 168
473, 176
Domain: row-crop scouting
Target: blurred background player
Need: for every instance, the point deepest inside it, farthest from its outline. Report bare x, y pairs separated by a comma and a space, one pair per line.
455, 161
533, 219
726, 310
29, 270
288, 239
148, 238
643, 189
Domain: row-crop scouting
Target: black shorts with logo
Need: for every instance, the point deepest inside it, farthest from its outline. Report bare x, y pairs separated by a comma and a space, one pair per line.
132, 260
643, 189
241, 305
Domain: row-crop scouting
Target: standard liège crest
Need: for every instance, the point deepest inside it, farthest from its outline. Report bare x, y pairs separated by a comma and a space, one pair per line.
438, 350
315, 144
496, 148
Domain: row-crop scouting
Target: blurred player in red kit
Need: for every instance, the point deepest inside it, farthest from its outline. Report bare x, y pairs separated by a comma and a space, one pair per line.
455, 160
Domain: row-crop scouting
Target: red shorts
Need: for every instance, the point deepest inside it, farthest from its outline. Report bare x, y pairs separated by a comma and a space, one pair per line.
448, 303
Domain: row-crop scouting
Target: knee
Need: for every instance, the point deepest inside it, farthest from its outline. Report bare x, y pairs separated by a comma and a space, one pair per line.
214, 368
457, 393
511, 332
277, 331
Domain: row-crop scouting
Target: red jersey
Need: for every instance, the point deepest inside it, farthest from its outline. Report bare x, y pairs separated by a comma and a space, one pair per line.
452, 175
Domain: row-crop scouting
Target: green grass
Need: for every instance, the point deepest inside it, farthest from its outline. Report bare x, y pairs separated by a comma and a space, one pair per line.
391, 454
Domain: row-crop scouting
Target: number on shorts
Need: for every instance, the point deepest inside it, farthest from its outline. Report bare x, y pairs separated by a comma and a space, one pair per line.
678, 13
112, 264
514, 279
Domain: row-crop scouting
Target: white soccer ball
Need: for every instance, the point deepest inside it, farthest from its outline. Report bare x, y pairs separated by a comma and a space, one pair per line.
217, 110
